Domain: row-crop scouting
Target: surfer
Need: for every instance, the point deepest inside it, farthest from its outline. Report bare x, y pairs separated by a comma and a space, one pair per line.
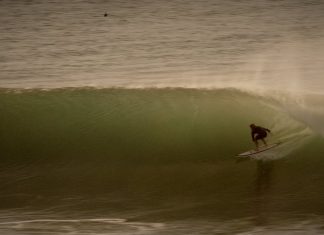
258, 133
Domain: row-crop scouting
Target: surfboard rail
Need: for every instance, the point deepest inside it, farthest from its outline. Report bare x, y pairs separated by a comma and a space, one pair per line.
262, 149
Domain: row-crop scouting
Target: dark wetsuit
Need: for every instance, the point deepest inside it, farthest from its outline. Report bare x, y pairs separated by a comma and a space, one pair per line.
259, 133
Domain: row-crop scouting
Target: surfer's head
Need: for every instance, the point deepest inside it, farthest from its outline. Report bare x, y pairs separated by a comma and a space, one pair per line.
252, 126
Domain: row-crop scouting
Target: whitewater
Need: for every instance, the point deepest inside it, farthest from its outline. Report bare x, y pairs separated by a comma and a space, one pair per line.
130, 123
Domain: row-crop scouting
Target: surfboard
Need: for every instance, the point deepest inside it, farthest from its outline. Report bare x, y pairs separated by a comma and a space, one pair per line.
261, 149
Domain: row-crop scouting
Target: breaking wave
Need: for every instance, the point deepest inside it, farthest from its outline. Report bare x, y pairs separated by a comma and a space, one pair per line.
143, 125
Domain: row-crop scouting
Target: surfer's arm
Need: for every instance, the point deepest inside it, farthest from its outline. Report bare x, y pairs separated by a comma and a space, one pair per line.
267, 130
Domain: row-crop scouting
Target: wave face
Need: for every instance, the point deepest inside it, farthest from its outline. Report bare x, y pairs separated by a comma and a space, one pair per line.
135, 125
156, 155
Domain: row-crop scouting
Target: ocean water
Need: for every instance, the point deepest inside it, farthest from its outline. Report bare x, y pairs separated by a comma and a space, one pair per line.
130, 123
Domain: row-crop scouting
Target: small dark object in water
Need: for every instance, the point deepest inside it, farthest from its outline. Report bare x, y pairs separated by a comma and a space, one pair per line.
105, 15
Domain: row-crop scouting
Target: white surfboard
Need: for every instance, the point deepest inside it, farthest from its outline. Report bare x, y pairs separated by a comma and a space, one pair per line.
261, 149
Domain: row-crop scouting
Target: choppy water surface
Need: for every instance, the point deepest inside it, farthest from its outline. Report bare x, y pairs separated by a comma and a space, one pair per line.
152, 43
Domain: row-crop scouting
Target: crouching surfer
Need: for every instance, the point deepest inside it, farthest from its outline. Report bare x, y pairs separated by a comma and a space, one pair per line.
259, 133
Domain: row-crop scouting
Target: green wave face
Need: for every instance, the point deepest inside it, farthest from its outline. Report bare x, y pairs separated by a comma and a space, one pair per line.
135, 125
156, 154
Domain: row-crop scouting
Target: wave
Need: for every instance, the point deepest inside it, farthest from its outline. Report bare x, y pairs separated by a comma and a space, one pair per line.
142, 125
153, 154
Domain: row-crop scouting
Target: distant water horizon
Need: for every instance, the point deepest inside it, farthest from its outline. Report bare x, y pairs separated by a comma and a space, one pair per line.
52, 44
